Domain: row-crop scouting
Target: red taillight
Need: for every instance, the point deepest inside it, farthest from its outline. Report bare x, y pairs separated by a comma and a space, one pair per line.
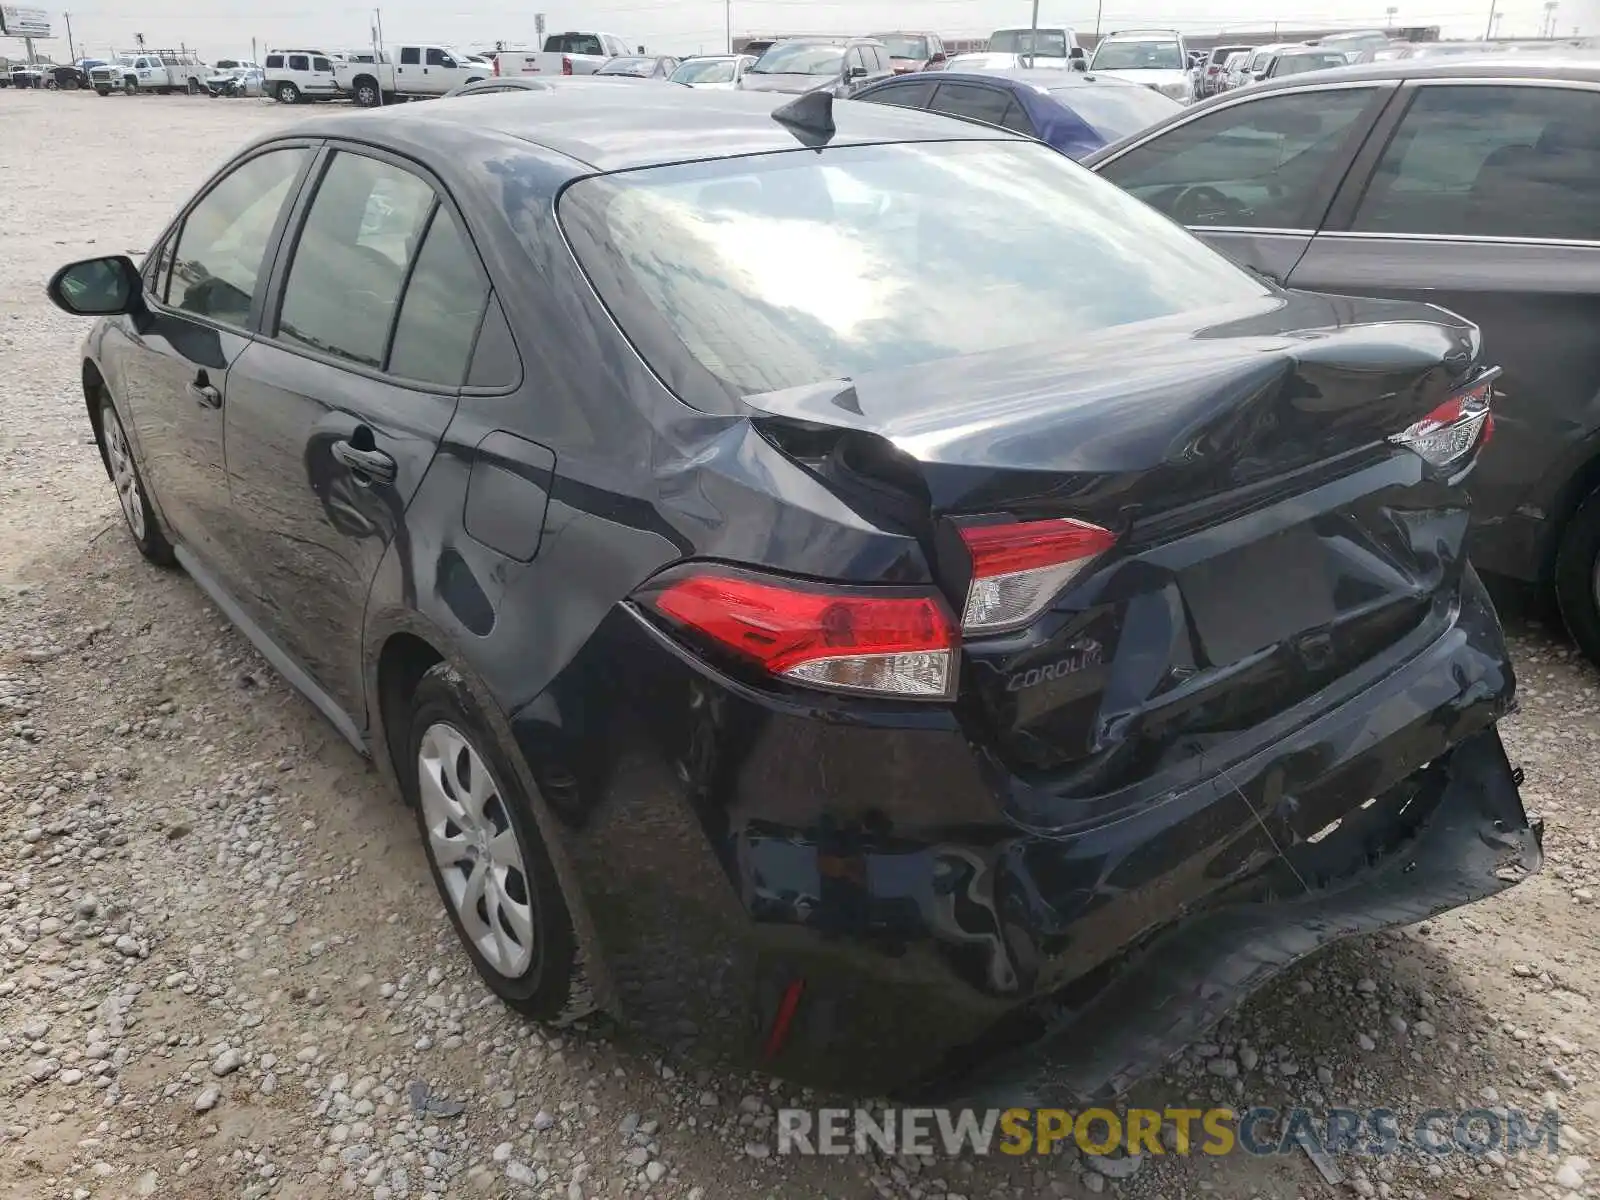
886, 641
566, 65
1457, 428
1019, 567
497, 64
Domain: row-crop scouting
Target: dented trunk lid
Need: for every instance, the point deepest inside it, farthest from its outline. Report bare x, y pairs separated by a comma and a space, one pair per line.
1272, 541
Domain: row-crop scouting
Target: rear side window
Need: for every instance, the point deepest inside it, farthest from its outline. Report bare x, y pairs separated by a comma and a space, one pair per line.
902, 95
410, 56
299, 62
442, 307
781, 270
1491, 162
350, 264
1258, 165
224, 239
973, 102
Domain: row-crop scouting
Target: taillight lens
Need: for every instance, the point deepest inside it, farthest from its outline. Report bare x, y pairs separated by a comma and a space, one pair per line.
1458, 427
566, 65
1019, 567
880, 641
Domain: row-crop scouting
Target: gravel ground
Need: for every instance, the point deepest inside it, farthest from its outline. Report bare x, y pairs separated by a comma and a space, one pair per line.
224, 971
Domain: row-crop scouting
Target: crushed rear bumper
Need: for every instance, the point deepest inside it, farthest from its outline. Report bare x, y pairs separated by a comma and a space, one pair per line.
1470, 838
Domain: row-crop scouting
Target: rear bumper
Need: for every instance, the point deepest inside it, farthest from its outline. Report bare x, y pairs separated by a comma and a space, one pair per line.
734, 850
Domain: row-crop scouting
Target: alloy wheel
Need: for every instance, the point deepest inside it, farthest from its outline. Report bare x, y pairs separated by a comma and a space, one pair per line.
476, 849
124, 477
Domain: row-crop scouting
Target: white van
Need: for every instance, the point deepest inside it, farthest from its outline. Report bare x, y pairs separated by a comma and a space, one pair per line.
296, 75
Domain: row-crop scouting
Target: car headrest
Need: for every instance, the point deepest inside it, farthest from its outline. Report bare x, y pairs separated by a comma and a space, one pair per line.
1569, 137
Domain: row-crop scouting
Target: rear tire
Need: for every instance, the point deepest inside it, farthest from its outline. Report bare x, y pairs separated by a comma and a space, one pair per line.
365, 90
144, 527
288, 94
487, 857
1577, 583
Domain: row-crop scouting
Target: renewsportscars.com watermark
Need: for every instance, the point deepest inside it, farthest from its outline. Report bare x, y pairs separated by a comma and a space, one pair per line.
1178, 1131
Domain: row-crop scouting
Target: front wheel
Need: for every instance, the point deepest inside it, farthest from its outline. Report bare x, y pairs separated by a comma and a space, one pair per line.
130, 86
143, 525
102, 91
486, 854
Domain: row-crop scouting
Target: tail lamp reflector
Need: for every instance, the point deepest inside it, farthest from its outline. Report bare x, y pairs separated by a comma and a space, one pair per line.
1456, 428
1019, 567
839, 639
566, 65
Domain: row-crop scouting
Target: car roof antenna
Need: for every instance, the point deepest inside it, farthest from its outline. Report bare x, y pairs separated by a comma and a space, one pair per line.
809, 118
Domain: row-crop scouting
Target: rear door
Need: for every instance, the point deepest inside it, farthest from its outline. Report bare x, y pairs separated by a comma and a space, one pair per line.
1484, 196
1254, 177
337, 410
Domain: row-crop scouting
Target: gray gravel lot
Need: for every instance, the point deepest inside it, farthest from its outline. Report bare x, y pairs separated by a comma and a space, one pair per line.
223, 966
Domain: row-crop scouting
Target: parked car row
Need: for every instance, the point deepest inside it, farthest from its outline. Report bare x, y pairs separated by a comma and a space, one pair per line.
906, 610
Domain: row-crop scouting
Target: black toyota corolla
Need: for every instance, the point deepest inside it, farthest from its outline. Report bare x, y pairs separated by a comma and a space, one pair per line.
842, 589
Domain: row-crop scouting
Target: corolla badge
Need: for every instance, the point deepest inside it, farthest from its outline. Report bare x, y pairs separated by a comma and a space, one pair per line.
1084, 654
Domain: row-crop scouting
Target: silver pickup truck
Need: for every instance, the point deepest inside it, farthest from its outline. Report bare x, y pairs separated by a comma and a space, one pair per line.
565, 54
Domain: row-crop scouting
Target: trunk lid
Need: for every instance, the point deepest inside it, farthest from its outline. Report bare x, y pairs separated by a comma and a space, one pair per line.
1271, 540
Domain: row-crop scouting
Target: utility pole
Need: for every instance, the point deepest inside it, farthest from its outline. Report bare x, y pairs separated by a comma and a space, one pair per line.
1033, 31
72, 53
727, 18
1488, 32
377, 51
1099, 11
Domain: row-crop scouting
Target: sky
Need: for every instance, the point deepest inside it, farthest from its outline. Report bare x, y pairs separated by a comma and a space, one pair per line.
224, 28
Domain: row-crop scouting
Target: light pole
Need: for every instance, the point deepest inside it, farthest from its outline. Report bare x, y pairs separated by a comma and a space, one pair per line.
727, 17
1489, 29
1390, 13
1550, 18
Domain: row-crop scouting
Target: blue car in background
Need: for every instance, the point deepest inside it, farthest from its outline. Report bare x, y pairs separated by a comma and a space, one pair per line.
1073, 112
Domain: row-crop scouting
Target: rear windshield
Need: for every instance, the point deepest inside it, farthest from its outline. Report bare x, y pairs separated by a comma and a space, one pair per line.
780, 270
1114, 110
574, 43
1155, 55
1294, 64
713, 70
1043, 43
799, 58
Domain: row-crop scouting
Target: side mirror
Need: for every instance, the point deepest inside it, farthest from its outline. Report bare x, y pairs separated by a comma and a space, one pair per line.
1076, 54
938, 57
96, 287
1078, 64
856, 73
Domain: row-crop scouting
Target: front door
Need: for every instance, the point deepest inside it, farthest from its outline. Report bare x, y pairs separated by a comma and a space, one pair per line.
201, 290
335, 413
1254, 177
1486, 200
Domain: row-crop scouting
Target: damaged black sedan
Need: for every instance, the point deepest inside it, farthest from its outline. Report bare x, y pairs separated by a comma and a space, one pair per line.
843, 590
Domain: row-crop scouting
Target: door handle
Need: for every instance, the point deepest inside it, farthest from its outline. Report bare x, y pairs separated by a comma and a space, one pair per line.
369, 466
203, 393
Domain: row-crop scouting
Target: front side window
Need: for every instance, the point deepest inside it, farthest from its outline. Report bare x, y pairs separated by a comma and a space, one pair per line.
442, 307
1256, 165
350, 263
224, 239
438, 58
780, 270
321, 64
1491, 162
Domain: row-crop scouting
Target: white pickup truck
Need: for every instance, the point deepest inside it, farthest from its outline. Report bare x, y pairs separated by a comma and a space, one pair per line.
160, 71
409, 72
564, 54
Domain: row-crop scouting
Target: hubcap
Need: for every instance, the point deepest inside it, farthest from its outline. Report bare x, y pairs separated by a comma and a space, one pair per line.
124, 477
368, 97
475, 847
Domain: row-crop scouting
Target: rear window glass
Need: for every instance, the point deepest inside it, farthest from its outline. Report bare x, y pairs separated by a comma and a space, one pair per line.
574, 43
1113, 110
781, 270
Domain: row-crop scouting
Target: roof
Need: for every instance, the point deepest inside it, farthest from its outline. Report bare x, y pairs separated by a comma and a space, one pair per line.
1050, 81
617, 125
1495, 66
